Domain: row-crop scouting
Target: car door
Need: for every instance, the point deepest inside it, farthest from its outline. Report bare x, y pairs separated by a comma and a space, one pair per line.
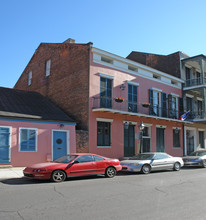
83, 165
162, 162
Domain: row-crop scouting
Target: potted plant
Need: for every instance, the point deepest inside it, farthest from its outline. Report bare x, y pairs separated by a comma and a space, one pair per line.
146, 104
119, 99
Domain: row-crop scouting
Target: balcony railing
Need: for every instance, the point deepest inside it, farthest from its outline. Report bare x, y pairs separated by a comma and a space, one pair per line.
194, 115
133, 107
195, 82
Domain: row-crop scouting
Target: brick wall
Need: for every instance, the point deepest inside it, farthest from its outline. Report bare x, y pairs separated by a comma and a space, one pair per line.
82, 141
169, 64
68, 83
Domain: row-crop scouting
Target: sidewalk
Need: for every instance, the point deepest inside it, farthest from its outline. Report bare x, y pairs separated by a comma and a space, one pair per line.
11, 172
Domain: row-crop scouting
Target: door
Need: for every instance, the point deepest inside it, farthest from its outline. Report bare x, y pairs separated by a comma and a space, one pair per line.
129, 141
162, 162
160, 133
59, 144
83, 165
4, 145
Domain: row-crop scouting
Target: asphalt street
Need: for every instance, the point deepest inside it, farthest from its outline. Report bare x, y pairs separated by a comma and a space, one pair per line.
159, 195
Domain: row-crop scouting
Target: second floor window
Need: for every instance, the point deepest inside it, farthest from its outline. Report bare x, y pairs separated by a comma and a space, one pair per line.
173, 106
47, 68
132, 98
105, 92
29, 78
199, 109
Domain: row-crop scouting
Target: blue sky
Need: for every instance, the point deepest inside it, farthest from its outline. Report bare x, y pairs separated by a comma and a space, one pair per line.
117, 26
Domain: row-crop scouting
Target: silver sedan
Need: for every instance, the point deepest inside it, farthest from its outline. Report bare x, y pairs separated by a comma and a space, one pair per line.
147, 162
197, 158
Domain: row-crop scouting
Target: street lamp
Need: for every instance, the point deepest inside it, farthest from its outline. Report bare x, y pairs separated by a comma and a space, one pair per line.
141, 128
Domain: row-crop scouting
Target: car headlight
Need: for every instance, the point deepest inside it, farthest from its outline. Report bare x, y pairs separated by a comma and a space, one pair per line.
39, 170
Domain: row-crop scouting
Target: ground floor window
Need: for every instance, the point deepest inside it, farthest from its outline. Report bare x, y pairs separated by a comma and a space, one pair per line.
28, 139
201, 139
103, 133
176, 138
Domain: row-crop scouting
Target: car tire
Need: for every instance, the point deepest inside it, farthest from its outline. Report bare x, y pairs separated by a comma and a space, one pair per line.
177, 166
58, 176
146, 168
204, 163
110, 172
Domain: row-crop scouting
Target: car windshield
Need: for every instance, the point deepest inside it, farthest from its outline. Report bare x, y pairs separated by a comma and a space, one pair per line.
198, 153
66, 159
142, 157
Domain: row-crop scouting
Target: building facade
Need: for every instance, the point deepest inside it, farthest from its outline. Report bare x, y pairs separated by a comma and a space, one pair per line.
192, 71
109, 96
32, 129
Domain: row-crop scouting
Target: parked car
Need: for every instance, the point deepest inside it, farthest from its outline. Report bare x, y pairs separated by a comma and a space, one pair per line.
73, 165
147, 162
197, 158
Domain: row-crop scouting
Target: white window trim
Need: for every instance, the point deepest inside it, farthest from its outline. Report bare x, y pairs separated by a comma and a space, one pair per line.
133, 83
173, 94
199, 99
104, 146
157, 90
106, 76
161, 126
130, 122
35, 140
189, 96
176, 128
105, 120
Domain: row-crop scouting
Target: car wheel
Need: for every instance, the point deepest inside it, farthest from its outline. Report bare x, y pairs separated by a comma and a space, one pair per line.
204, 163
177, 166
110, 172
58, 176
146, 169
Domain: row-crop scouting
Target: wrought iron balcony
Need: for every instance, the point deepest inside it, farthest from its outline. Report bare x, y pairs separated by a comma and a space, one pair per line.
195, 82
107, 104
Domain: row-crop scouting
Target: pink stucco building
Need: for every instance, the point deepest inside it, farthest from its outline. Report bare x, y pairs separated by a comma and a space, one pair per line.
86, 82
32, 129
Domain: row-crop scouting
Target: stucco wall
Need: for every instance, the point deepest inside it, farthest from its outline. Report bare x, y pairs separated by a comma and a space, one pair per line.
44, 141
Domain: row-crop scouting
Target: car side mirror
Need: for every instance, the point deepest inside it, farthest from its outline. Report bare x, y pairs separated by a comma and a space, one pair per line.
75, 161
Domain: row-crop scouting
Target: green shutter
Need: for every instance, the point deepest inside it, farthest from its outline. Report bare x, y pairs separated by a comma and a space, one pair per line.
170, 106
151, 101
164, 104
181, 108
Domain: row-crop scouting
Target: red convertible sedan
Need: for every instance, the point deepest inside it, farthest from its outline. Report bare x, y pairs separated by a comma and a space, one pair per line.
73, 165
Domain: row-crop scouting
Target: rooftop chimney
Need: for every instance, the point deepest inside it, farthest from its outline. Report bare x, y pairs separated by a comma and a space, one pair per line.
69, 41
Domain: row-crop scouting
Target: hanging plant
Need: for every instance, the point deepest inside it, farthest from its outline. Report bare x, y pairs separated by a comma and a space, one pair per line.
146, 104
119, 99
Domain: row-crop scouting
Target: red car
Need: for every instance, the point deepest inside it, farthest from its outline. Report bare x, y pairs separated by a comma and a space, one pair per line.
73, 165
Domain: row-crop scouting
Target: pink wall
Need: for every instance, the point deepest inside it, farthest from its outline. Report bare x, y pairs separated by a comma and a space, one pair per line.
44, 141
117, 128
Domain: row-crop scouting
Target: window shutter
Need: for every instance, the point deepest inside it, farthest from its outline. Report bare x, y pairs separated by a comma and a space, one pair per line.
181, 108
170, 106
164, 104
151, 101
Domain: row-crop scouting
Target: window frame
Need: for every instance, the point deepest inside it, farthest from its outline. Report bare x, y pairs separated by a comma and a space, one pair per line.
36, 139
48, 68
103, 144
29, 80
132, 94
173, 138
